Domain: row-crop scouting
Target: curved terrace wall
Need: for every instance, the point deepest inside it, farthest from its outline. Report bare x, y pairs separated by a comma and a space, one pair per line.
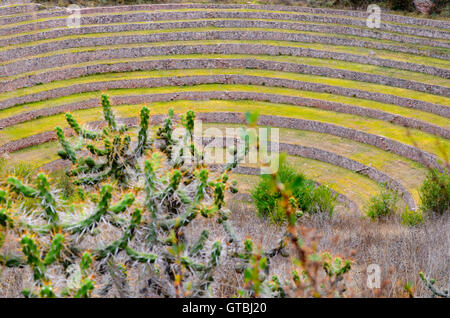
239, 34
60, 59
381, 142
18, 38
327, 11
192, 63
232, 95
120, 17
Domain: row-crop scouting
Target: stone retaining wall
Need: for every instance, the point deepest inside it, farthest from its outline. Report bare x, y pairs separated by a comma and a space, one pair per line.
18, 9
227, 95
236, 63
17, 38
327, 11
120, 17
297, 150
226, 34
387, 144
58, 60
167, 64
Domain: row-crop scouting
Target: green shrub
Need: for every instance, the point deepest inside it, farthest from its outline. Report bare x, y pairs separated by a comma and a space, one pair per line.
411, 218
306, 195
267, 202
383, 204
435, 192
323, 201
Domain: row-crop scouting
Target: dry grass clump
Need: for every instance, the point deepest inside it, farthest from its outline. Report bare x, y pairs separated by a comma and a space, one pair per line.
400, 251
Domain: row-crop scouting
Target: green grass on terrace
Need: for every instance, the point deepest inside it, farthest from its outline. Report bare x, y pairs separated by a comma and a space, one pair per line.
329, 63
426, 141
407, 172
206, 29
424, 116
221, 10
217, 19
356, 187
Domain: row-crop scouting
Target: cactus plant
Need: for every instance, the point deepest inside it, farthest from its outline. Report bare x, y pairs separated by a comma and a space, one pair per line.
157, 199
429, 282
142, 200
114, 158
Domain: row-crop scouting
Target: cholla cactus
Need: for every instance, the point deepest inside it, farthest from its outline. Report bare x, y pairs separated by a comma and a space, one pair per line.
429, 282
98, 243
114, 159
140, 225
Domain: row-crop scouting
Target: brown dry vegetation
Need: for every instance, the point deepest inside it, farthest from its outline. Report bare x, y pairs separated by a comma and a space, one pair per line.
402, 252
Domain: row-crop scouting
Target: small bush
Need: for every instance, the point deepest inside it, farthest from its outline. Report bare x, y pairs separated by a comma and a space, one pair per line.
411, 218
383, 204
324, 201
266, 201
435, 193
307, 196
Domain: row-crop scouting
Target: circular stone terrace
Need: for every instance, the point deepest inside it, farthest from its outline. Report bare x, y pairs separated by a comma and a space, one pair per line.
355, 107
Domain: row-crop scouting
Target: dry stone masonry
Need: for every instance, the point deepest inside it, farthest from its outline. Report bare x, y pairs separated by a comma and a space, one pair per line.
37, 50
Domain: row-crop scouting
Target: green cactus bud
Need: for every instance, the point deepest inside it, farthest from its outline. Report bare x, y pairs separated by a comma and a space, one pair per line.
87, 134
55, 250
47, 200
142, 137
100, 211
87, 286
85, 263
69, 152
198, 246
31, 253
141, 257
121, 206
20, 188
108, 114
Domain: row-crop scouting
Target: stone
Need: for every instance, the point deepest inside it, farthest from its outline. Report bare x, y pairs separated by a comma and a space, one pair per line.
424, 6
